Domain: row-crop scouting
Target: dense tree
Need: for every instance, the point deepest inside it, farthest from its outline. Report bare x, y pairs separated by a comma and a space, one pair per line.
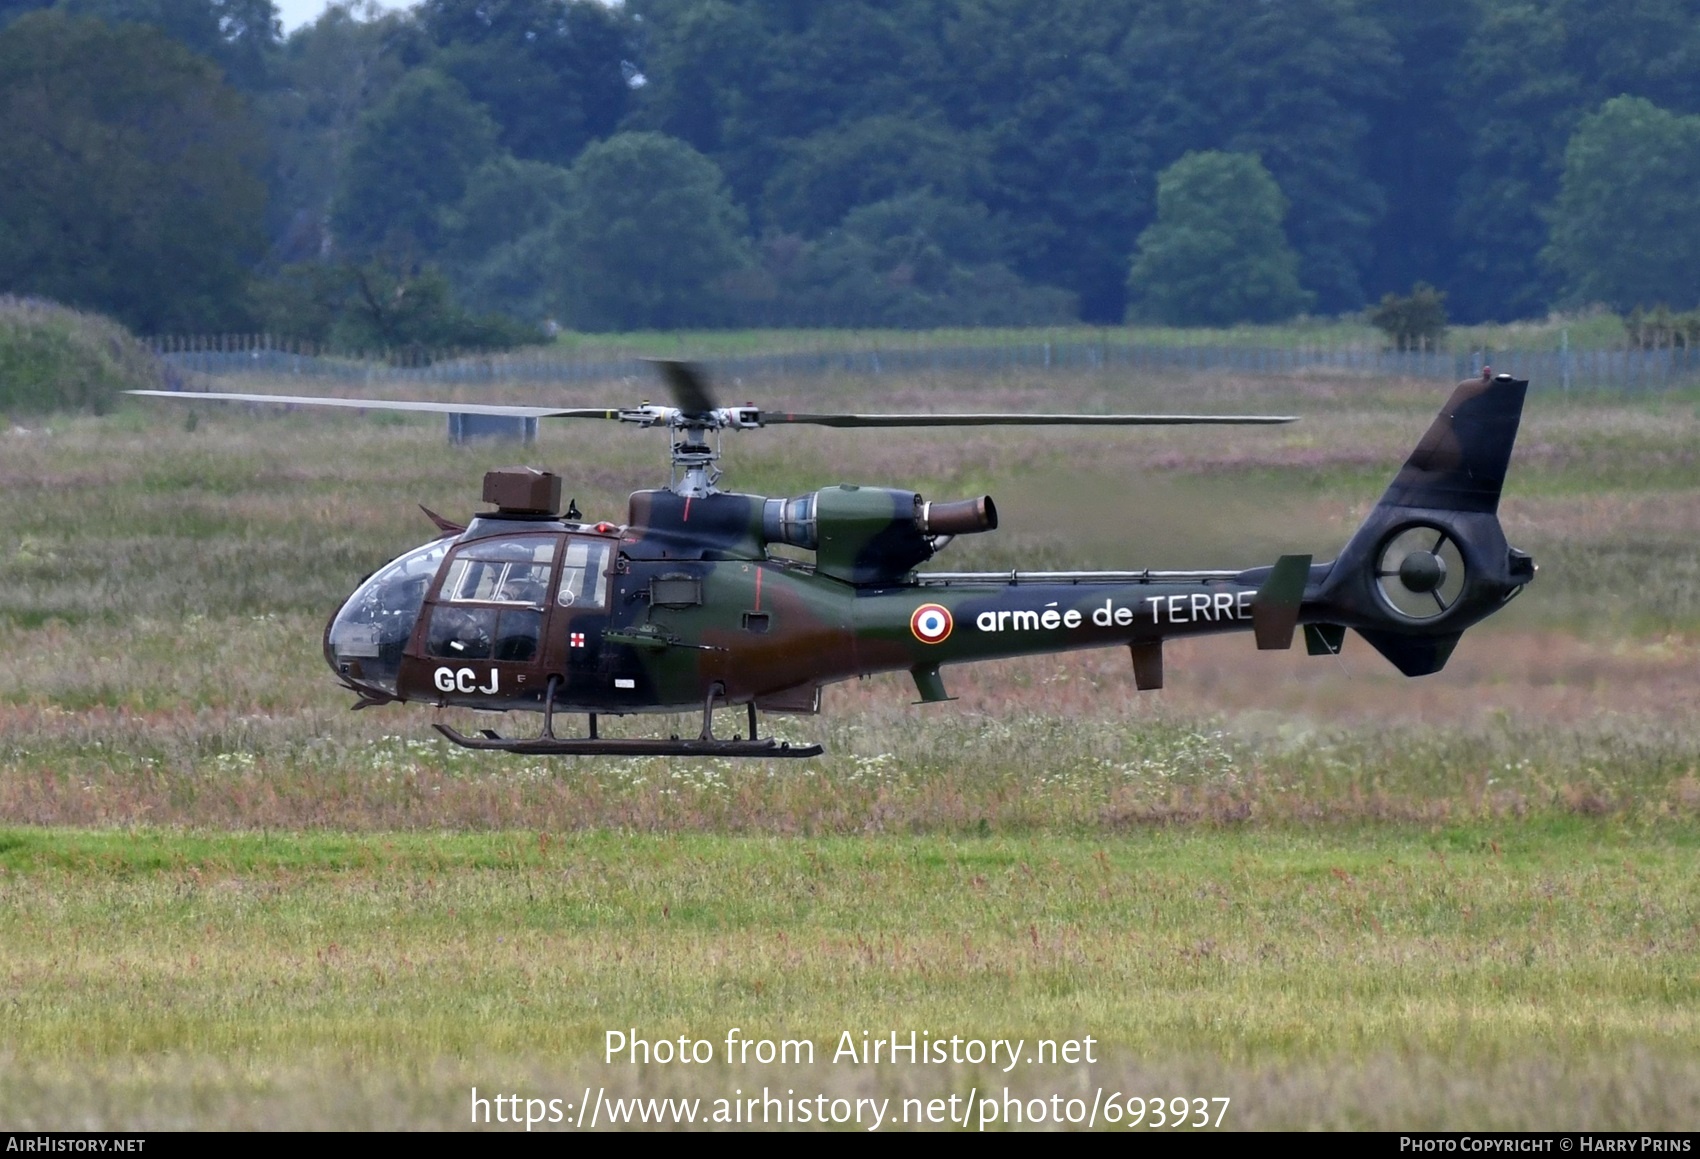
1084, 101
1414, 321
829, 174
1626, 228
10, 10
1528, 74
1072, 165
648, 234
1216, 253
1411, 149
1289, 83
239, 35
554, 74
408, 164
745, 80
518, 278
328, 76
1413, 143
392, 306
127, 175
500, 241
381, 304
706, 65
914, 260
505, 199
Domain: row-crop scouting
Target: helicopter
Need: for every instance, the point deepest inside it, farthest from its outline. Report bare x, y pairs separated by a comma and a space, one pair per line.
688, 605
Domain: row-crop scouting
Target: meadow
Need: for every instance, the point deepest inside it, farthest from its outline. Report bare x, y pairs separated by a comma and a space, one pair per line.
1595, 328
1342, 898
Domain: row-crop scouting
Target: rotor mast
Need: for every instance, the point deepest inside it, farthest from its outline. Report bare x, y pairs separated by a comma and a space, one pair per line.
696, 441
694, 471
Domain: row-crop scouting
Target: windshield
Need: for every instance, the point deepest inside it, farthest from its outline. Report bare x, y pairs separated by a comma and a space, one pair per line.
367, 637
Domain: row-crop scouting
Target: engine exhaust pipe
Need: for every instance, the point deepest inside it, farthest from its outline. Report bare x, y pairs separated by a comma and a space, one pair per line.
961, 517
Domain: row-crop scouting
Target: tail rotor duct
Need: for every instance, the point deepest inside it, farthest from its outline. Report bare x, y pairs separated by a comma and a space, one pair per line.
1420, 572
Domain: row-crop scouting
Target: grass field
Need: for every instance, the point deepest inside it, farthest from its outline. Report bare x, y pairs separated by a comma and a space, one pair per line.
1337, 897
1593, 329
1560, 954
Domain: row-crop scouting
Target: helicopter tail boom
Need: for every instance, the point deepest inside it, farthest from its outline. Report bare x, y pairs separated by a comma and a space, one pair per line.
1431, 559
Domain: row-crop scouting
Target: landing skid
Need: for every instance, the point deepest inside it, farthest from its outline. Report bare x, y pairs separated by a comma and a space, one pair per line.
628, 746
703, 745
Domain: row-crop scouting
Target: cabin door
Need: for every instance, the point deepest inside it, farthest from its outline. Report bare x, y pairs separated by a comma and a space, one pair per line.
579, 616
487, 623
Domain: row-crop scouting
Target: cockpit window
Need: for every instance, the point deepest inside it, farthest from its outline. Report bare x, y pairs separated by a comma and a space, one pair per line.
491, 604
369, 634
502, 571
584, 574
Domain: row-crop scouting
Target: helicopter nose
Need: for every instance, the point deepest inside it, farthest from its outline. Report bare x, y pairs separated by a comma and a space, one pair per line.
354, 649
365, 640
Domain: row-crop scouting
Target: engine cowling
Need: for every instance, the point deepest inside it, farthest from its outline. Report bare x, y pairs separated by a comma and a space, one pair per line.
872, 535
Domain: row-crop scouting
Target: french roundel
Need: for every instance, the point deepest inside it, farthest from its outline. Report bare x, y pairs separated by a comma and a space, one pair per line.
931, 624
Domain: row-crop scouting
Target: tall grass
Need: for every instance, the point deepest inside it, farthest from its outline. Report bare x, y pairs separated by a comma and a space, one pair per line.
1590, 330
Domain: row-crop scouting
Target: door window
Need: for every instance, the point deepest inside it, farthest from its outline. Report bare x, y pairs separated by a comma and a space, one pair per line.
502, 571
492, 600
584, 574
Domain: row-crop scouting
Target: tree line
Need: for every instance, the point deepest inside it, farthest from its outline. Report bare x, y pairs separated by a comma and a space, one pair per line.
462, 171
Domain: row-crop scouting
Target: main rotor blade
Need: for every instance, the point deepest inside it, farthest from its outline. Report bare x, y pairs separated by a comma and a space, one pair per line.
1018, 420
689, 385
685, 380
464, 408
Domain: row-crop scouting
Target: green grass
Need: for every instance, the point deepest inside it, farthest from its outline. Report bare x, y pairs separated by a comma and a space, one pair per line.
1342, 898
1475, 943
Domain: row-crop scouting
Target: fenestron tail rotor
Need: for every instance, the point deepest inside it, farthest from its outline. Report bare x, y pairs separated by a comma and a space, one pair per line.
696, 413
1420, 572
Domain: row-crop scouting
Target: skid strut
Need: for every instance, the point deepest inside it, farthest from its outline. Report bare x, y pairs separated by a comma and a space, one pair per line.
714, 690
549, 711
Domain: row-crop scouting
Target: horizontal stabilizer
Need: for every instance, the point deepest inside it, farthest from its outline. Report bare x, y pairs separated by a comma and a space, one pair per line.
1275, 611
1412, 655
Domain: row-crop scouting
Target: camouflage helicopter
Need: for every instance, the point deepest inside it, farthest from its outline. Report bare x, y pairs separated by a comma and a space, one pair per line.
686, 605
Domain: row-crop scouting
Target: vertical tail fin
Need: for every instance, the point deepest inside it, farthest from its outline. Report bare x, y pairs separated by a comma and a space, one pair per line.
1459, 464
1431, 558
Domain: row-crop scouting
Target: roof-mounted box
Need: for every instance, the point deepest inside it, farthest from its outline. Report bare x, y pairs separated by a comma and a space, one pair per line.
523, 491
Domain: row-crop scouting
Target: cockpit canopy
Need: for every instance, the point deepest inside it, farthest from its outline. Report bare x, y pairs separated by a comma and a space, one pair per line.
368, 636
496, 594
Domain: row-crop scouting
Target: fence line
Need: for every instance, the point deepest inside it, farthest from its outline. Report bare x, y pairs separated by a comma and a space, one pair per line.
1628, 370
